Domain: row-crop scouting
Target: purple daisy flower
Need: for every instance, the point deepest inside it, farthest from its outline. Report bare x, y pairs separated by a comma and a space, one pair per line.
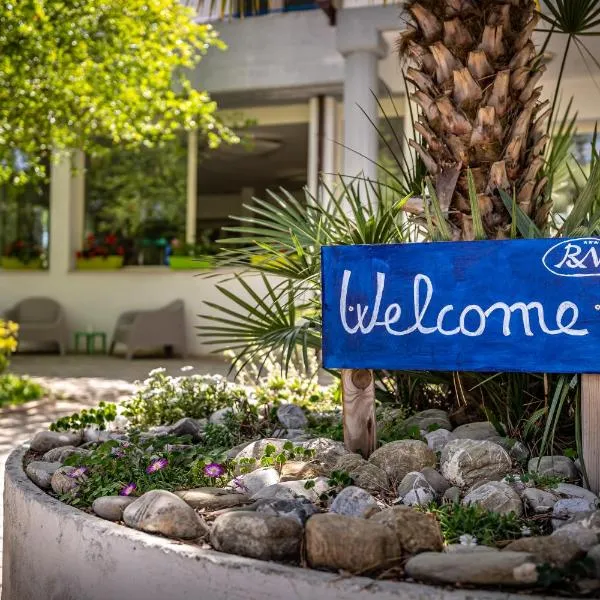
128, 489
214, 470
157, 465
78, 472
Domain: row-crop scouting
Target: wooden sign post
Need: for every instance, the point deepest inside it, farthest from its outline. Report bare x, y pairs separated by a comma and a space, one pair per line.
511, 305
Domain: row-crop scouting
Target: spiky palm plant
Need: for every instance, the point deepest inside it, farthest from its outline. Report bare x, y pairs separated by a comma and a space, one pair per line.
475, 71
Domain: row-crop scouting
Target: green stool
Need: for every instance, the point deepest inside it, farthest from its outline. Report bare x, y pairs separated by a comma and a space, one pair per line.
90, 340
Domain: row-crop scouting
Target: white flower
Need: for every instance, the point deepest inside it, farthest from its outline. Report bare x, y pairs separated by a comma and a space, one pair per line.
187, 368
467, 540
157, 371
525, 531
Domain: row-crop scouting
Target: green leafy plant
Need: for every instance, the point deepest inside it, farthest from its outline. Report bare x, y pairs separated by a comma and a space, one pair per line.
88, 417
163, 399
15, 390
488, 528
139, 465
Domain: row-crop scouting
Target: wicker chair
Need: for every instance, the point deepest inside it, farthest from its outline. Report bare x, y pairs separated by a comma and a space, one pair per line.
147, 329
40, 320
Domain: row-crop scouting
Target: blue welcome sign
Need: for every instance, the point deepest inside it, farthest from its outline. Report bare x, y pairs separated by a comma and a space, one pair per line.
514, 305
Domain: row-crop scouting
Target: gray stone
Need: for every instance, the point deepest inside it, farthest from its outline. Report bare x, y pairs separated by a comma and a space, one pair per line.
516, 450
258, 536
353, 501
211, 498
539, 500
325, 451
64, 482
40, 472
401, 457
482, 430
428, 418
295, 469
497, 497
434, 478
553, 466
464, 462
437, 439
159, 511
47, 440
490, 568
93, 434
566, 508
188, 426
257, 449
594, 558
364, 474
548, 549
419, 496
582, 536
412, 482
299, 509
219, 416
415, 531
452, 495
467, 549
292, 489
62, 453
575, 491
346, 543
292, 416
256, 480
111, 507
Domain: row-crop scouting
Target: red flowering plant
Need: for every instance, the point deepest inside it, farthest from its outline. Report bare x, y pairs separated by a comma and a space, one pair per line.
24, 251
101, 246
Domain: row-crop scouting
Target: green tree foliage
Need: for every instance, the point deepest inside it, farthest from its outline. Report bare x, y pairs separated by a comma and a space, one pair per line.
74, 71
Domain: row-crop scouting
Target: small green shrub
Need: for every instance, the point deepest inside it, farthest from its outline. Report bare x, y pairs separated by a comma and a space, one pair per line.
536, 479
88, 417
137, 466
163, 399
486, 527
16, 390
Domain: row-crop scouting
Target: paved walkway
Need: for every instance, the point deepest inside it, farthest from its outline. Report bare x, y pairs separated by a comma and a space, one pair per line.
77, 382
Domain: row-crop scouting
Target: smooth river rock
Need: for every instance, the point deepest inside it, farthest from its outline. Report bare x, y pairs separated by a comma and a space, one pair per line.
355, 545
415, 531
364, 474
211, 499
488, 568
353, 501
326, 452
428, 418
61, 453
553, 466
540, 501
111, 507
63, 483
257, 535
464, 462
159, 511
293, 470
496, 496
398, 459
292, 416
47, 440
40, 472
299, 509
547, 549
258, 479
437, 439
482, 430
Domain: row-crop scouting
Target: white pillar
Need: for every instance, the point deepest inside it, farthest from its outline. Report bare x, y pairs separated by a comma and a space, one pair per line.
78, 199
329, 140
192, 188
62, 250
313, 146
361, 142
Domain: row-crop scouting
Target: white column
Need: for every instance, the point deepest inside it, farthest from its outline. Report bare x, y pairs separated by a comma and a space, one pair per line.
329, 140
361, 81
62, 250
313, 146
192, 187
78, 199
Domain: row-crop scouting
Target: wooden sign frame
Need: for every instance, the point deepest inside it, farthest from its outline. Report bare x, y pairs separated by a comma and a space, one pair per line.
549, 270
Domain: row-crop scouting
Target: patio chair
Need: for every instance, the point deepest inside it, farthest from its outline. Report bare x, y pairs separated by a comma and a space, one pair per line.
40, 320
145, 329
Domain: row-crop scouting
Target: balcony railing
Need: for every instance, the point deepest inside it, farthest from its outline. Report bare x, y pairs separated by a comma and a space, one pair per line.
209, 10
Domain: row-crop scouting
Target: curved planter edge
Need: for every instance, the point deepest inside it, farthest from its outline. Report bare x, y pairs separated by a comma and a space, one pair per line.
53, 551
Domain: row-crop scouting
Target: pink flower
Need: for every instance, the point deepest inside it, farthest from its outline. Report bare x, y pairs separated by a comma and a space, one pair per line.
157, 465
78, 472
128, 489
214, 470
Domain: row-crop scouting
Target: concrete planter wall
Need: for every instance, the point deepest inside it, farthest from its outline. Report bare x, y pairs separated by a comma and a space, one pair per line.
55, 552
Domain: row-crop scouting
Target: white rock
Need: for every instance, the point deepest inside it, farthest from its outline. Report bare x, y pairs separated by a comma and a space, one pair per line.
575, 491
437, 439
497, 497
46, 440
292, 416
353, 501
539, 500
256, 480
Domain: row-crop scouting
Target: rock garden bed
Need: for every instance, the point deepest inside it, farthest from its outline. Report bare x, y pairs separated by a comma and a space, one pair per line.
247, 472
